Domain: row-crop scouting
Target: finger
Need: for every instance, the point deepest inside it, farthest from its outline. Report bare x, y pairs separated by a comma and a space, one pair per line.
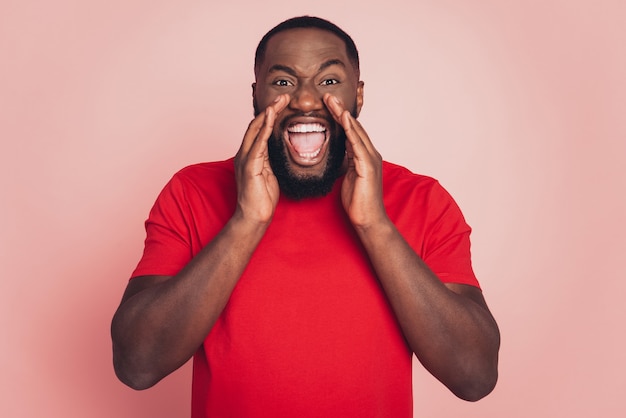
259, 146
362, 134
334, 105
354, 136
271, 113
342, 117
337, 111
260, 126
280, 103
251, 133
349, 154
355, 148
363, 158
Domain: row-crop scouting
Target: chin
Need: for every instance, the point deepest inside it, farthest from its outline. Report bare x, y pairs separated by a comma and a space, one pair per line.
307, 172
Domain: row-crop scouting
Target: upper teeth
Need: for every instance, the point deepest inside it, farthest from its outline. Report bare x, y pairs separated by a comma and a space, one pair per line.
306, 127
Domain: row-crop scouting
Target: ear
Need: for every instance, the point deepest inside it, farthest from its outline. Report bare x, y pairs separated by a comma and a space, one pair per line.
359, 97
254, 106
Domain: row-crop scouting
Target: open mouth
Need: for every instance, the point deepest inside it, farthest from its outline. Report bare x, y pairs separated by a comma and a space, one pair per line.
307, 141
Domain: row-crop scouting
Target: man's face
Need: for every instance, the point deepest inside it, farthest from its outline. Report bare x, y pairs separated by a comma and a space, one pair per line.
307, 147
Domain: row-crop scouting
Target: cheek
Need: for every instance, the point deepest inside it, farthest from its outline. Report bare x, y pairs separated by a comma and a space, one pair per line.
346, 95
348, 102
263, 98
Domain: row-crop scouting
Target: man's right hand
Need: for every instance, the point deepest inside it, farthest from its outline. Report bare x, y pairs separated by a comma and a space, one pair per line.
257, 187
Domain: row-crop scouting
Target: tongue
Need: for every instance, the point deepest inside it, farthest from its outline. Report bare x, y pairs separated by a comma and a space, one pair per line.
306, 142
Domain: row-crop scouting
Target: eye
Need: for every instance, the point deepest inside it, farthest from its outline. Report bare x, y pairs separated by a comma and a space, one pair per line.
283, 83
329, 82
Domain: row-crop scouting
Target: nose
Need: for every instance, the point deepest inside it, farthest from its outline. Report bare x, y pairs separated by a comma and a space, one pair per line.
306, 98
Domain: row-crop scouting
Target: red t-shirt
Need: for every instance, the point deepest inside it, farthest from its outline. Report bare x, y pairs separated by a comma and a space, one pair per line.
307, 331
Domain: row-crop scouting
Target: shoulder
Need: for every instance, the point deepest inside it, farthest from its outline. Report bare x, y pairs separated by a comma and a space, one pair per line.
397, 178
206, 171
201, 180
404, 189
206, 176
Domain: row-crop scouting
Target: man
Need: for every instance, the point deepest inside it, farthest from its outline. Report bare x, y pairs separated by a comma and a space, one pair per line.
303, 275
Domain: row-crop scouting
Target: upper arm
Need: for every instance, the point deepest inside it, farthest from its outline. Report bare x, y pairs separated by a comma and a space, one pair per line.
474, 294
140, 283
471, 292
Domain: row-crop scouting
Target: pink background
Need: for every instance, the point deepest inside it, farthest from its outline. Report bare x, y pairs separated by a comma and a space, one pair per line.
517, 107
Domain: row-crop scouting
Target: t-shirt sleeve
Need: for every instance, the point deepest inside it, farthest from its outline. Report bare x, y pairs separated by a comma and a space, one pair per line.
446, 247
167, 246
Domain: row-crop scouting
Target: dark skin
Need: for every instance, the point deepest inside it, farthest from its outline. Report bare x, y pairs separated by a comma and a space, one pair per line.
162, 322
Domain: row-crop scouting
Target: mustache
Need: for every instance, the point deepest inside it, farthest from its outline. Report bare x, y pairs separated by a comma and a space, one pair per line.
314, 114
317, 115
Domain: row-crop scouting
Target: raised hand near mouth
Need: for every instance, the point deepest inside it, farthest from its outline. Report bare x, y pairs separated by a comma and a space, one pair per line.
257, 188
361, 191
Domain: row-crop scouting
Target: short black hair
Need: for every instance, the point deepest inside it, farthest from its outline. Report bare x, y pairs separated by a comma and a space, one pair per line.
308, 22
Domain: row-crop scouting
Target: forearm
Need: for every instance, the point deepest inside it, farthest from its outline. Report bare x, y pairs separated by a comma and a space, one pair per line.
453, 335
158, 328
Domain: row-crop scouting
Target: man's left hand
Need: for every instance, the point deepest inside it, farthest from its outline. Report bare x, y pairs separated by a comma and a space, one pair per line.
361, 191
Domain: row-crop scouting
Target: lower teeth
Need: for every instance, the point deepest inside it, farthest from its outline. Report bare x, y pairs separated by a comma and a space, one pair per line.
310, 155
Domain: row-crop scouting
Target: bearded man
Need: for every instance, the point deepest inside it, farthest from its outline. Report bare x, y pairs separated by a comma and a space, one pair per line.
303, 274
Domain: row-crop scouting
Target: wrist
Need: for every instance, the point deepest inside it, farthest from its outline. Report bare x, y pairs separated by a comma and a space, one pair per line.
247, 225
375, 228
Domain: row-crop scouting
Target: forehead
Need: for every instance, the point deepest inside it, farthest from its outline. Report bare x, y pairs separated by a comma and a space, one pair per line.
304, 46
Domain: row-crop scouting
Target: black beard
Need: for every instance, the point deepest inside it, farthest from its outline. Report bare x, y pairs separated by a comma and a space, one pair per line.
298, 187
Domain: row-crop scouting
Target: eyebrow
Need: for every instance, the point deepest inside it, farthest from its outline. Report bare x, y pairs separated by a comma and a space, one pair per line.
330, 63
292, 72
278, 67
